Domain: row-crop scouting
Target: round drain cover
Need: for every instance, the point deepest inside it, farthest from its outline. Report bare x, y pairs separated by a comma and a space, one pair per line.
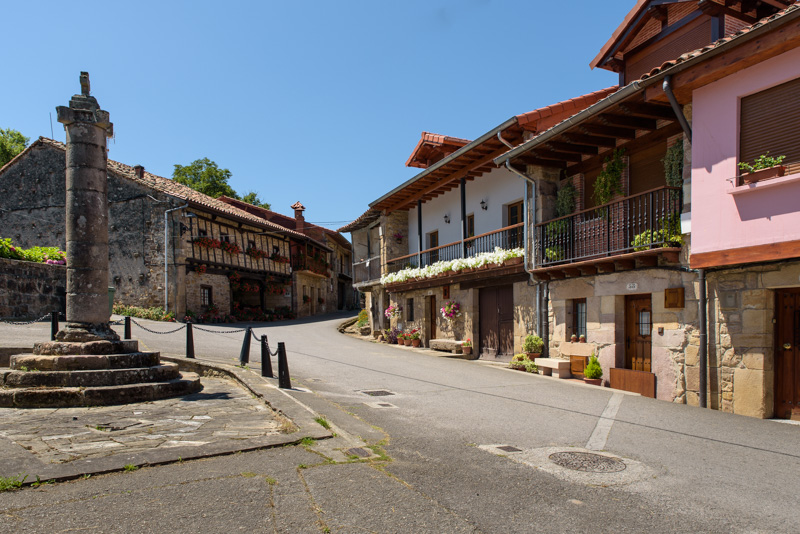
588, 462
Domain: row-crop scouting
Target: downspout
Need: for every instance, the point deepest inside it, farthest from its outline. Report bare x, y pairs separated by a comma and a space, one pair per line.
702, 353
530, 206
676, 108
166, 254
419, 234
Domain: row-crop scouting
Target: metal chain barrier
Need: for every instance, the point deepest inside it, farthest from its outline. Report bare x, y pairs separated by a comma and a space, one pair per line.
121, 321
24, 323
181, 327
219, 331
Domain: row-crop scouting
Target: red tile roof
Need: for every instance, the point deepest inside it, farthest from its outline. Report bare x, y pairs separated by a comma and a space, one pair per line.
532, 120
183, 192
431, 143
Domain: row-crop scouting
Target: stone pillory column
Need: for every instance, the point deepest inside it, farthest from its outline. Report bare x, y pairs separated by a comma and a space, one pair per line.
87, 127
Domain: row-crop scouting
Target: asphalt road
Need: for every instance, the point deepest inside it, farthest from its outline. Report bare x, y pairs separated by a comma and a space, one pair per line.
685, 469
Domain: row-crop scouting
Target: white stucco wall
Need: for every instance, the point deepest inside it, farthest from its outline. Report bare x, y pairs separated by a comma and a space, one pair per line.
498, 187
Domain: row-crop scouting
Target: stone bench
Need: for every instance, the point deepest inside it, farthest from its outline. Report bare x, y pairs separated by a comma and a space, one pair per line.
553, 366
446, 345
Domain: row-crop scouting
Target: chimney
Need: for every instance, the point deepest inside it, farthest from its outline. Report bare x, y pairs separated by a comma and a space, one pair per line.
138, 170
300, 221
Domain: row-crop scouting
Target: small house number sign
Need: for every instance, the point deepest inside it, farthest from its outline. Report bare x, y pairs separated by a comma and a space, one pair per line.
633, 286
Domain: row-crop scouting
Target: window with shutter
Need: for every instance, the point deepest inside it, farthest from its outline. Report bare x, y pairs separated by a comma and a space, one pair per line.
770, 122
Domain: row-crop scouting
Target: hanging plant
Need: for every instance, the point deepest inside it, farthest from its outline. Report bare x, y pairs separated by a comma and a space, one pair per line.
565, 199
673, 165
609, 181
231, 248
451, 310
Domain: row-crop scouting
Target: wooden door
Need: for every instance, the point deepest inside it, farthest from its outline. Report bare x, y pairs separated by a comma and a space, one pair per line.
514, 216
433, 314
638, 332
433, 242
496, 319
787, 354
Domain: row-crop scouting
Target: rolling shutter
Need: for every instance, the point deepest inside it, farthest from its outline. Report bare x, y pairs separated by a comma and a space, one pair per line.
770, 122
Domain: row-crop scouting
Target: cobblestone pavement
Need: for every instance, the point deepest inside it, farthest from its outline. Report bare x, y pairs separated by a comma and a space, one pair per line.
222, 411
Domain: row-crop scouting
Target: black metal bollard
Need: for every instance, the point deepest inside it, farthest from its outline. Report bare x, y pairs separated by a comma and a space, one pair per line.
266, 363
244, 356
128, 327
189, 341
284, 381
53, 325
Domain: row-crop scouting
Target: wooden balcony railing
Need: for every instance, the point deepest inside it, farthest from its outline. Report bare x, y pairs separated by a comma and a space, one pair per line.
307, 263
217, 257
504, 238
367, 270
639, 222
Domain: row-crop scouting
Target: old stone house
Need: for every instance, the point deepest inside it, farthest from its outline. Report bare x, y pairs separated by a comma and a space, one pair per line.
650, 269
219, 258
321, 264
459, 208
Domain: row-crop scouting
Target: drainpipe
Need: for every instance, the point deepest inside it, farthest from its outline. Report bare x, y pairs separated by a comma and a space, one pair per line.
702, 353
419, 234
676, 107
166, 254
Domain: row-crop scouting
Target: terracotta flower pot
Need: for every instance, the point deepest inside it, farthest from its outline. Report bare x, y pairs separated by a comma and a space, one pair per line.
532, 355
407, 342
466, 350
514, 261
415, 342
593, 381
763, 174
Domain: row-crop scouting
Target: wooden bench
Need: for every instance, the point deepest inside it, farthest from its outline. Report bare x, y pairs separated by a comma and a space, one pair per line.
553, 367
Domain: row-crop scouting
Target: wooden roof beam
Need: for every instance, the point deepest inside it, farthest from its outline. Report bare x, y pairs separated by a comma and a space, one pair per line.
573, 148
593, 140
639, 123
529, 160
608, 131
652, 111
559, 156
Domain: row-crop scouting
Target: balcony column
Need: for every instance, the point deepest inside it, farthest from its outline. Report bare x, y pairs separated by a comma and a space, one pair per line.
463, 217
419, 233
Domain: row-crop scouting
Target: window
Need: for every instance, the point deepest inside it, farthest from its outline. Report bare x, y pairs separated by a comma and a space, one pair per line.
579, 317
202, 232
251, 244
225, 238
275, 249
433, 242
471, 225
206, 294
410, 309
515, 214
769, 122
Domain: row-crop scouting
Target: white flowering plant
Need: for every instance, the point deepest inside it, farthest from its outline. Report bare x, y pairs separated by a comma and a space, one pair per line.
431, 271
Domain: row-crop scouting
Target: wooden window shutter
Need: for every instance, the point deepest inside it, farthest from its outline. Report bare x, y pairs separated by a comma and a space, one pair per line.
647, 169
770, 122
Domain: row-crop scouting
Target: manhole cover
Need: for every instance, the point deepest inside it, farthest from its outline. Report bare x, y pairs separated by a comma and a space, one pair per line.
509, 448
358, 451
378, 393
587, 462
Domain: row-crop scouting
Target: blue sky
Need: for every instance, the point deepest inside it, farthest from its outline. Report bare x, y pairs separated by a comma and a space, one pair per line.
320, 102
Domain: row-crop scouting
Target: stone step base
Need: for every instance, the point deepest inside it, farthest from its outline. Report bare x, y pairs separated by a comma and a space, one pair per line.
39, 362
59, 348
98, 396
89, 378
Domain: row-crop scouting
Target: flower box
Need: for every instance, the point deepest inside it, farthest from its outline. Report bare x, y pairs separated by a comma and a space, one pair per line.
763, 174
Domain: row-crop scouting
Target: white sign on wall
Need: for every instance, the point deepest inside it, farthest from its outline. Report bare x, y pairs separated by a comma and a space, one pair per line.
633, 286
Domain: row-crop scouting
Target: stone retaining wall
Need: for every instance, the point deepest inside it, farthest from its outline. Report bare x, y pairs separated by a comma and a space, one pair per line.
30, 290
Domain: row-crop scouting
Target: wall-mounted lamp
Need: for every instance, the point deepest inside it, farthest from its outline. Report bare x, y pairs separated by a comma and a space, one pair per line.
447, 219
484, 207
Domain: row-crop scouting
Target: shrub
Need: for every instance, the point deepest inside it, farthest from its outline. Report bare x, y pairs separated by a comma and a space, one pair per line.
363, 318
532, 343
52, 255
154, 314
593, 369
521, 362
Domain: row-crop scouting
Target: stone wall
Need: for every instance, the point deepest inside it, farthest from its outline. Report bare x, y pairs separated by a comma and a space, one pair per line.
673, 351
220, 292
741, 354
395, 223
314, 286
30, 290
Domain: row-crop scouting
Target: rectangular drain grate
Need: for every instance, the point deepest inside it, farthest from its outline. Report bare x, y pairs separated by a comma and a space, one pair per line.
378, 393
509, 448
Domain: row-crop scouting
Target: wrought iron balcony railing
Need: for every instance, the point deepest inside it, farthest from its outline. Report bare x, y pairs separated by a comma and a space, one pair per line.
504, 238
638, 222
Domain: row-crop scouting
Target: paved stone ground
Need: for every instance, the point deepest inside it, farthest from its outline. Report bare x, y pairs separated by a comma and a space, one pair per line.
222, 411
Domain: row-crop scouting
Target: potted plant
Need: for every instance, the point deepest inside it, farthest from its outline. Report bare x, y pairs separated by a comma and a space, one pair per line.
573, 338
466, 346
593, 374
582, 339
521, 362
415, 337
532, 346
407, 339
764, 167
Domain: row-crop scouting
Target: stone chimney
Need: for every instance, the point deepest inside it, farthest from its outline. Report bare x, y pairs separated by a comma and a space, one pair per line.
138, 170
300, 225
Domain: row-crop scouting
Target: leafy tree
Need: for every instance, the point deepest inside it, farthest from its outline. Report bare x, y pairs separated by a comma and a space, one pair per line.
205, 176
252, 198
11, 143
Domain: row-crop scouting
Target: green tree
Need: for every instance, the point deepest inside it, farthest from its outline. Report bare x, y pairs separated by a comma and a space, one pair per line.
205, 176
252, 198
11, 143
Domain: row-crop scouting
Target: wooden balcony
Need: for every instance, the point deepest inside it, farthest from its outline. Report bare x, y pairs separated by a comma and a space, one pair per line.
505, 238
367, 271
624, 230
318, 266
217, 258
